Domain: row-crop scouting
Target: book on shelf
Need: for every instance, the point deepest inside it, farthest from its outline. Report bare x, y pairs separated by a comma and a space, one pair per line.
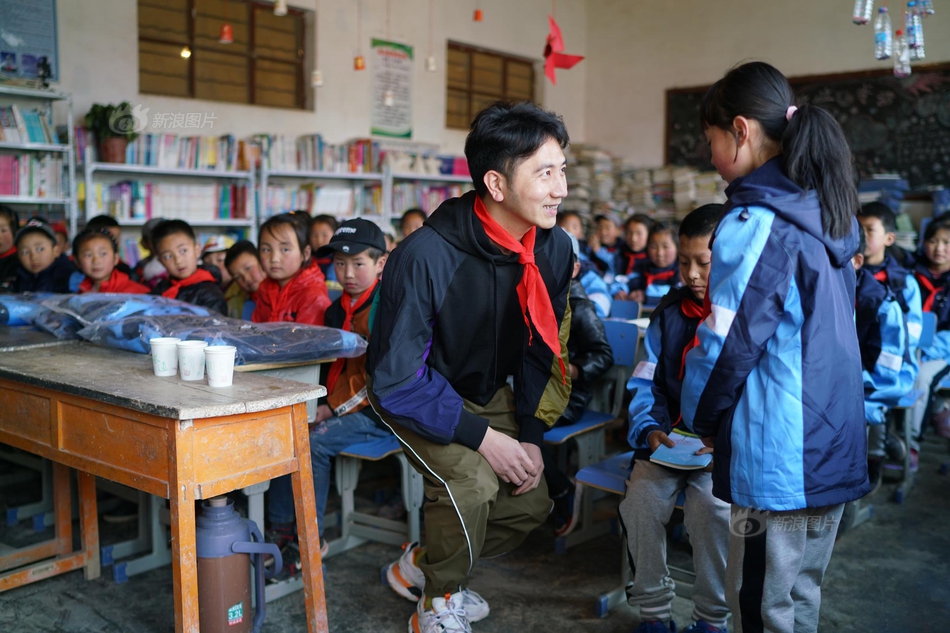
31, 176
19, 125
311, 153
192, 202
407, 195
171, 151
330, 200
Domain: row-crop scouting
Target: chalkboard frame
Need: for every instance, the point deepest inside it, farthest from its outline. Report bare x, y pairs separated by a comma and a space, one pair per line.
803, 80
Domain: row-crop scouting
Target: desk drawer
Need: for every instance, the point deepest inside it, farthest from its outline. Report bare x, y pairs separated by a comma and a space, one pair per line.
25, 415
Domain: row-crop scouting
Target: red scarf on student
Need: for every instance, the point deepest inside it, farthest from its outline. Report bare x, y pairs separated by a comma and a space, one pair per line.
660, 276
12, 251
693, 310
117, 282
350, 307
532, 293
929, 287
881, 275
195, 278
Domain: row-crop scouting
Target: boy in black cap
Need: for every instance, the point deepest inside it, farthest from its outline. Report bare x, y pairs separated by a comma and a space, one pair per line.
344, 417
43, 267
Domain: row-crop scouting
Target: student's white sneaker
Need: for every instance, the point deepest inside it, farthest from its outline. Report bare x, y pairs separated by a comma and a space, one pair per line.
406, 579
447, 615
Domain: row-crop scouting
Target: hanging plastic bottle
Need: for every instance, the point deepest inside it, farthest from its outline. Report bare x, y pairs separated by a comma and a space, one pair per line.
862, 11
901, 55
926, 7
883, 40
917, 52
912, 24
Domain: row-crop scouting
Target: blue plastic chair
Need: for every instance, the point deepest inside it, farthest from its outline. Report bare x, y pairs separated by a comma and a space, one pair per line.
335, 294
625, 310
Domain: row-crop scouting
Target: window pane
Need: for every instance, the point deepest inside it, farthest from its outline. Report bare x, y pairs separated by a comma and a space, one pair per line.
220, 77
164, 20
480, 102
211, 15
456, 110
520, 84
487, 73
276, 37
275, 84
457, 68
162, 69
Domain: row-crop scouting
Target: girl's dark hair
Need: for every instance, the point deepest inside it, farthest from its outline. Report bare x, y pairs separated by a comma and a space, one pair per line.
11, 215
942, 221
171, 227
814, 149
101, 222
91, 234
414, 211
639, 218
299, 224
329, 220
504, 134
660, 228
239, 248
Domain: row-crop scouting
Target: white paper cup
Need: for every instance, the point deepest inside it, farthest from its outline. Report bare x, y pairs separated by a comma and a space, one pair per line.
220, 362
191, 360
164, 356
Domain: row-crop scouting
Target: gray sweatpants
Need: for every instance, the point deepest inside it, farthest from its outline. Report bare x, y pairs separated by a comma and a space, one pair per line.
645, 511
776, 563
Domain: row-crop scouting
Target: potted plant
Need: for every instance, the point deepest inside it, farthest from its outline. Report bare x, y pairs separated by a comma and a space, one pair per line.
114, 126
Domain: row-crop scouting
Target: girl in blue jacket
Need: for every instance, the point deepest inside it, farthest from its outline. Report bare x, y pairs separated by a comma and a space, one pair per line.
774, 382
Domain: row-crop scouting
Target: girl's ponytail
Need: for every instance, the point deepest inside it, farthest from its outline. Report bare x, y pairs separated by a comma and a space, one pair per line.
813, 145
817, 156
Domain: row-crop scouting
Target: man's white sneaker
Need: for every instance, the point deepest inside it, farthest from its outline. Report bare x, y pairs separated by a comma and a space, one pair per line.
406, 578
446, 616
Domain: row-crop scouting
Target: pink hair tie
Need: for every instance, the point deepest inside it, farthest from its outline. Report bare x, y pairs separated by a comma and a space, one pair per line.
790, 112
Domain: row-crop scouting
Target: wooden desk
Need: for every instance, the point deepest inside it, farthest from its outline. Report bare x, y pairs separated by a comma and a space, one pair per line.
17, 338
104, 413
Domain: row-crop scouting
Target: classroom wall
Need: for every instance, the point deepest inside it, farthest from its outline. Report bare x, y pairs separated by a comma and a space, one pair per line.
637, 50
98, 55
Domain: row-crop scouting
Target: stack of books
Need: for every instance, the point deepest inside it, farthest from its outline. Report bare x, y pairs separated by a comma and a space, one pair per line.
19, 125
193, 202
312, 153
407, 195
207, 153
32, 176
337, 201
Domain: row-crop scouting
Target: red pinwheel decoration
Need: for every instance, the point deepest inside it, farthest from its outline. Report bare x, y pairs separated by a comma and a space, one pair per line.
553, 57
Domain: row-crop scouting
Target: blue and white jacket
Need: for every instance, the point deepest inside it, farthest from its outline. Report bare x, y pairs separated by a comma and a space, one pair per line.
596, 288
907, 292
889, 366
776, 375
657, 382
935, 295
654, 281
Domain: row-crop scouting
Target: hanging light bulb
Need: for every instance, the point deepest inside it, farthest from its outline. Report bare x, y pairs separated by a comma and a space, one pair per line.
389, 99
280, 9
430, 59
358, 62
431, 66
478, 15
185, 52
316, 79
227, 34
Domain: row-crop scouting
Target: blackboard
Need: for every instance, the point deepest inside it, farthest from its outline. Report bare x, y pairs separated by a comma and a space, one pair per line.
893, 125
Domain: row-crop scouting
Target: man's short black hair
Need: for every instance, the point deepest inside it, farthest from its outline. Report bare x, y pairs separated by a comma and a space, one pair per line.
882, 212
102, 222
170, 227
239, 248
504, 134
701, 221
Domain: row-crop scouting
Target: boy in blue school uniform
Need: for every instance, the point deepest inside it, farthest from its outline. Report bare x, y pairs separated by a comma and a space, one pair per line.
887, 358
652, 489
42, 266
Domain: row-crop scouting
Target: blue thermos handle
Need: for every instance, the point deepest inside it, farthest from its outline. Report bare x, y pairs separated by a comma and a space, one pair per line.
257, 549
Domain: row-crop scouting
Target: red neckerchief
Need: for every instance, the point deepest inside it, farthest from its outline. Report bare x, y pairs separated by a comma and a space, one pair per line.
195, 278
350, 306
532, 293
881, 275
660, 276
635, 256
930, 287
693, 310
12, 251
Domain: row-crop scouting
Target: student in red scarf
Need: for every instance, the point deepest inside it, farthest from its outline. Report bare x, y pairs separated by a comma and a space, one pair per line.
478, 294
9, 224
177, 250
295, 289
97, 255
344, 417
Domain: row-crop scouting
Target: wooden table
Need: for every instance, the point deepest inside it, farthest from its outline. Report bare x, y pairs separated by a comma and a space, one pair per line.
104, 413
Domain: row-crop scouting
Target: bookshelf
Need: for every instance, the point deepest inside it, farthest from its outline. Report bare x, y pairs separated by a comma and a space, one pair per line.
205, 189
355, 192
425, 191
50, 166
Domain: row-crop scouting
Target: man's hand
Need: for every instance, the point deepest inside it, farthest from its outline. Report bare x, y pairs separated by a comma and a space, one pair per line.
575, 372
531, 483
655, 438
323, 412
507, 458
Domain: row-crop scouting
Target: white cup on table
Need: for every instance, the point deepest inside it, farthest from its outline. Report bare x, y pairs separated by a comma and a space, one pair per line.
219, 360
191, 359
164, 355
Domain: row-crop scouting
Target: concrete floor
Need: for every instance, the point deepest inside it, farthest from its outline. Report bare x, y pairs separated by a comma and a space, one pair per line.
891, 574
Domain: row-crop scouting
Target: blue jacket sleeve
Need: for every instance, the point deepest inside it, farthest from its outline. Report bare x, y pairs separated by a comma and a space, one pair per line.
749, 281
893, 374
408, 391
940, 350
647, 409
596, 289
914, 312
